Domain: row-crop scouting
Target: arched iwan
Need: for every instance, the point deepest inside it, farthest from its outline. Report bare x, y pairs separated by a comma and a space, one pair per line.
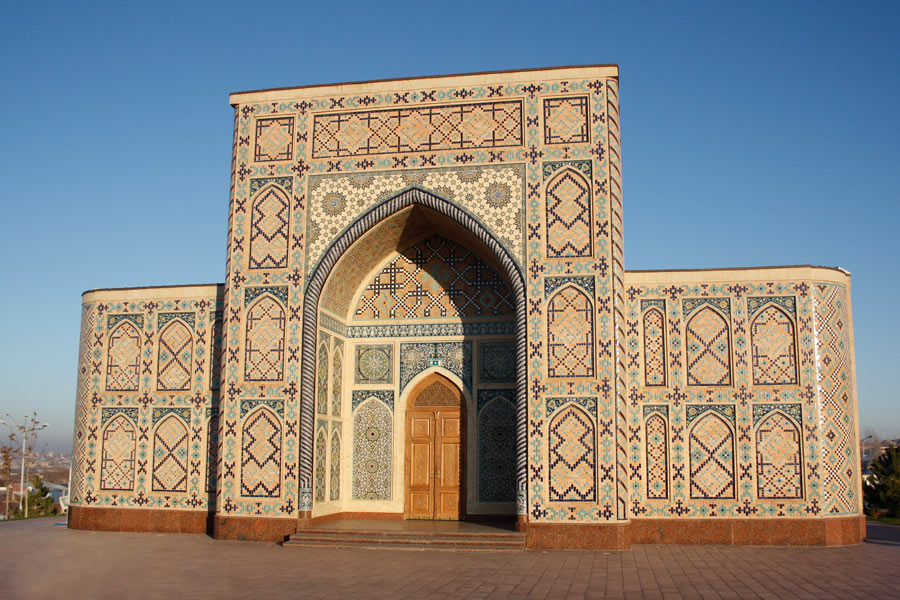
310, 315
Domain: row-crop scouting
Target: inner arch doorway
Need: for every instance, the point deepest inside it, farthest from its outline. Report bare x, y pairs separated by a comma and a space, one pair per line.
435, 457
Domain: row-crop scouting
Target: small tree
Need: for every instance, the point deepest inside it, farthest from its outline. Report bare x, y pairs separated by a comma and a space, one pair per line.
39, 500
7, 451
882, 489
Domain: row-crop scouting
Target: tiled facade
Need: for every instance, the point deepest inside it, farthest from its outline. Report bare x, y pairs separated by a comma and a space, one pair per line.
471, 226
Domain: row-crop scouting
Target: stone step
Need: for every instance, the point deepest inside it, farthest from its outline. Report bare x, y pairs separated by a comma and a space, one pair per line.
408, 540
509, 535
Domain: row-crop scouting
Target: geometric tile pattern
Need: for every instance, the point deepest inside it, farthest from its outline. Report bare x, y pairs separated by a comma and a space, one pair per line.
495, 192
772, 340
708, 349
570, 334
212, 451
374, 364
497, 446
657, 458
269, 229
778, 463
175, 355
566, 120
123, 358
264, 356
117, 470
840, 484
372, 442
419, 129
215, 351
654, 348
261, 455
170, 456
322, 381
435, 278
337, 379
568, 215
455, 357
712, 459
274, 139
497, 362
335, 465
321, 458
572, 457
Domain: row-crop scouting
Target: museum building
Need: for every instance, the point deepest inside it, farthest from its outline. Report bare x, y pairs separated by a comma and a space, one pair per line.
426, 315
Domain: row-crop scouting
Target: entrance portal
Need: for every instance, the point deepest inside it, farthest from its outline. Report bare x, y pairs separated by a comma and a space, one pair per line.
435, 451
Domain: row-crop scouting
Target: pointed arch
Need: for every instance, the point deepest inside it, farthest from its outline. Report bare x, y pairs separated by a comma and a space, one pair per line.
321, 459
322, 380
572, 456
117, 462
123, 358
712, 458
170, 455
264, 355
568, 196
269, 224
779, 468
708, 342
173, 367
654, 323
773, 347
657, 456
337, 381
335, 467
372, 451
570, 334
261, 455
319, 276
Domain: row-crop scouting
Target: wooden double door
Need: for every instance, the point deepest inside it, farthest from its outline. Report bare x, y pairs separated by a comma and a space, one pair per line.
435, 451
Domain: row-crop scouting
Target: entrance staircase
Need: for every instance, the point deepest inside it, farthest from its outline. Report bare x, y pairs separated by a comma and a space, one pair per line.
411, 535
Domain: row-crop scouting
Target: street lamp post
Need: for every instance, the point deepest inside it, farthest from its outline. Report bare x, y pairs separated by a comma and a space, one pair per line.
23, 498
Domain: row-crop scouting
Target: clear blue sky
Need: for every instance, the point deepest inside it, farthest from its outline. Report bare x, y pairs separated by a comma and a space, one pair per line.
759, 134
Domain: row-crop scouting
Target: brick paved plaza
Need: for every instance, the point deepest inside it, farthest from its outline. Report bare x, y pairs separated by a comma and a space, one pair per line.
45, 560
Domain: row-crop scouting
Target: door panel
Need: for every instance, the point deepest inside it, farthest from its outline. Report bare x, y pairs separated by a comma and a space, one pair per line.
420, 466
435, 463
448, 459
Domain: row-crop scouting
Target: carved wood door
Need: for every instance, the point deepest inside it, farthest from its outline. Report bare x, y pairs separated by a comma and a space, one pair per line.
435, 451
